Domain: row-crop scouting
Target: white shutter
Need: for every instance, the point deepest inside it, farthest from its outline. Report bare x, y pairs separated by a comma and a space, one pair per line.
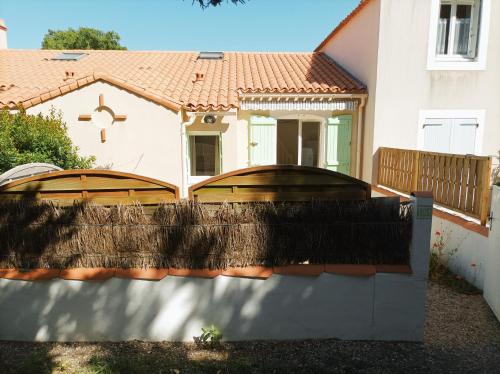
463, 139
437, 135
262, 140
474, 29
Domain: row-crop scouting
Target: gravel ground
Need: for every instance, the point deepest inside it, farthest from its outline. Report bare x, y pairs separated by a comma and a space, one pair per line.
462, 336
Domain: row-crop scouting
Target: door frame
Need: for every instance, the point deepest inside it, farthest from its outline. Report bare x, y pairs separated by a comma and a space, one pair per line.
308, 118
323, 121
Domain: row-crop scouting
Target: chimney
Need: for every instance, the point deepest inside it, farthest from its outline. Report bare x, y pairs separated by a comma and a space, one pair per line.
3, 34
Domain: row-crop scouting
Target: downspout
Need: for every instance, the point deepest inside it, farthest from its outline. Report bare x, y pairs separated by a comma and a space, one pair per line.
359, 146
184, 124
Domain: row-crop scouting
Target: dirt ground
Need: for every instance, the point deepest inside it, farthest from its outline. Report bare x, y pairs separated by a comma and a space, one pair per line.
461, 336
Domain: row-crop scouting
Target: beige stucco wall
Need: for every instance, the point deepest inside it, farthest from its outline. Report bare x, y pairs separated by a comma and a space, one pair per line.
405, 85
390, 56
148, 142
355, 48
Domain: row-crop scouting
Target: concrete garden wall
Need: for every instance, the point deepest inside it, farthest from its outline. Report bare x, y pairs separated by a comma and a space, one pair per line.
386, 306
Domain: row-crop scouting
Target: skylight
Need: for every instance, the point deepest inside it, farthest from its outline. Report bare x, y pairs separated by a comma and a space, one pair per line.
69, 56
211, 56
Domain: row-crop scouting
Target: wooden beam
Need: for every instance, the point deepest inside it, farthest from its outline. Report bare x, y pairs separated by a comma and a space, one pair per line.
84, 117
120, 117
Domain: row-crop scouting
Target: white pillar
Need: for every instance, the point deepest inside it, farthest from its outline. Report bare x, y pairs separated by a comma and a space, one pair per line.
421, 234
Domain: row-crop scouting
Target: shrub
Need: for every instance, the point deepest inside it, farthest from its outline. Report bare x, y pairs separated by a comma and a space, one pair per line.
36, 138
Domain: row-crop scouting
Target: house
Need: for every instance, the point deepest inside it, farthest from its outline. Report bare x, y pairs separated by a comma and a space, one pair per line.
182, 117
431, 70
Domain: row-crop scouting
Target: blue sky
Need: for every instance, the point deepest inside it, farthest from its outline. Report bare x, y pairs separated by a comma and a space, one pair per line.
265, 25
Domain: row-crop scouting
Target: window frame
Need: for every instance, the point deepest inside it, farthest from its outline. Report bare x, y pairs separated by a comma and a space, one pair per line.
450, 61
193, 179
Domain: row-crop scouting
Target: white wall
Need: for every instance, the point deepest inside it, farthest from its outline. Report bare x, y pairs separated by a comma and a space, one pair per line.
405, 86
176, 308
355, 48
470, 249
492, 268
148, 142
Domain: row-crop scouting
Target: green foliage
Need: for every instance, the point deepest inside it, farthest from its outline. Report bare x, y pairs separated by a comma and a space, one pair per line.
209, 336
213, 3
25, 138
83, 38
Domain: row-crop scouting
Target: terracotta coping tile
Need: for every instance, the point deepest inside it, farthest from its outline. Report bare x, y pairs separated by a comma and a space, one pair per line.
144, 274
404, 269
260, 272
34, 274
198, 273
257, 272
302, 269
351, 269
87, 273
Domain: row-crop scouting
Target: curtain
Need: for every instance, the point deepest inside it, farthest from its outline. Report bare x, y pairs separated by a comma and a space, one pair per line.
461, 41
442, 36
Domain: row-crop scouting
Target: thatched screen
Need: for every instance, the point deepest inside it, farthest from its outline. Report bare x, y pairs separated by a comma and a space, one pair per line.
194, 235
102, 187
280, 183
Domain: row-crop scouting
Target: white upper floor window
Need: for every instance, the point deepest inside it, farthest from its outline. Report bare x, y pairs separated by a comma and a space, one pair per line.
458, 28
458, 34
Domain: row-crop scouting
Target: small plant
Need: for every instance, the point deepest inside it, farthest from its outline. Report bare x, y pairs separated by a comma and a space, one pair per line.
439, 270
210, 336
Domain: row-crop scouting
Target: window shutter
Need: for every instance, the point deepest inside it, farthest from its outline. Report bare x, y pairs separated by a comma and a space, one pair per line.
437, 135
463, 139
474, 30
262, 142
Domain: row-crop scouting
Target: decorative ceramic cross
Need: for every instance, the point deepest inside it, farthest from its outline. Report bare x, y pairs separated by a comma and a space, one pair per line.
102, 117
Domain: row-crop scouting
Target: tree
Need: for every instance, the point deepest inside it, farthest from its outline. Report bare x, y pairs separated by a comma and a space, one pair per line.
83, 38
208, 3
25, 138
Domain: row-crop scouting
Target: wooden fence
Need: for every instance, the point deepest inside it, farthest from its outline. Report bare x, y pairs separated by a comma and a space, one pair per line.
103, 187
458, 182
280, 183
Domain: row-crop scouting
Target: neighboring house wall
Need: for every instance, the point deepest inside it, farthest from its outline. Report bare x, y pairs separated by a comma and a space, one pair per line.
404, 88
355, 47
148, 142
407, 88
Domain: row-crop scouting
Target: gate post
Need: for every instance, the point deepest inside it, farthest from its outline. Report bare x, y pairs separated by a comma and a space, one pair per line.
421, 233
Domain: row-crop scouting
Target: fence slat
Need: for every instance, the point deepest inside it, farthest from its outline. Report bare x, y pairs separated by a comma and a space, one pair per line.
458, 182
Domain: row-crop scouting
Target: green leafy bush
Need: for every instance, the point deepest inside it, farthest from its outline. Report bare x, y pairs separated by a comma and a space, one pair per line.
36, 138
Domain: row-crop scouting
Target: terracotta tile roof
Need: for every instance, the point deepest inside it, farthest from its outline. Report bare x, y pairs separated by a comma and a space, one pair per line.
342, 23
173, 79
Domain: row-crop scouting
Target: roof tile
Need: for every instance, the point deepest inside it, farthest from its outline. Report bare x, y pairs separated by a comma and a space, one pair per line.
167, 77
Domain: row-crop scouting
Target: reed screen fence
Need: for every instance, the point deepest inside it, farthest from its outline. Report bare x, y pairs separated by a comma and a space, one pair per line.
195, 235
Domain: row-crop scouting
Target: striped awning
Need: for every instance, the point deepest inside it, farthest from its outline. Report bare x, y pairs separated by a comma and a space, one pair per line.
302, 104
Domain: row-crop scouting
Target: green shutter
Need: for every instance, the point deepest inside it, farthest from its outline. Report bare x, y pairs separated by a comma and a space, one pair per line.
262, 140
338, 144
